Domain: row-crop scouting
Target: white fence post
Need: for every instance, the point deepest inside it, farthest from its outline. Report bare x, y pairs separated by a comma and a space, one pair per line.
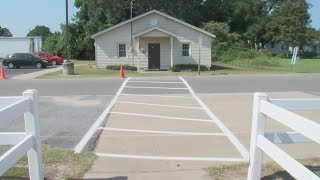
258, 128
32, 128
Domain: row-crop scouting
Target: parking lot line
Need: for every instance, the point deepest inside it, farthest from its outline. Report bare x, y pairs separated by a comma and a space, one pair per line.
143, 95
157, 82
176, 158
240, 147
160, 105
140, 87
99, 122
163, 132
162, 117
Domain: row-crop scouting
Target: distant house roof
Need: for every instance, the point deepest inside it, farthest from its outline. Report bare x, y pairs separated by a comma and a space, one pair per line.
30, 37
150, 12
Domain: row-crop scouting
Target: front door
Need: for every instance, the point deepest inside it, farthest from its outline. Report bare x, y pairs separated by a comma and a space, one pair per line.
154, 56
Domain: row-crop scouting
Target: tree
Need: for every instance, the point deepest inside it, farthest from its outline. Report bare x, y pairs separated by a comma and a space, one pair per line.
289, 21
224, 38
55, 44
5, 32
255, 22
43, 31
96, 15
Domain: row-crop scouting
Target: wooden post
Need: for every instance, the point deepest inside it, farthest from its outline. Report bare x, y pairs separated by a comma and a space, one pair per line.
32, 128
258, 128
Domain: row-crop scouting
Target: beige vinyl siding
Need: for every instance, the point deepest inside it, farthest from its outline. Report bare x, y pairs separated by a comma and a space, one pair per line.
107, 47
106, 44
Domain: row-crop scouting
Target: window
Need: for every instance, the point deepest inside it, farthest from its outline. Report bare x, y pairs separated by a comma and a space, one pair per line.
122, 50
18, 56
185, 49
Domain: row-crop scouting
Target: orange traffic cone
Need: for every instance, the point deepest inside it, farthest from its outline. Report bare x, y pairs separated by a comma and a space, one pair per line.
121, 72
2, 74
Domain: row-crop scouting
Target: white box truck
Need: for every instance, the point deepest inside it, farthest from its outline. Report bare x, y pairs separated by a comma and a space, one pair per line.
10, 45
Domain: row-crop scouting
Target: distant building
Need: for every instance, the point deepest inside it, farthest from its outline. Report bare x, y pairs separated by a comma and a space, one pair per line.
9, 45
276, 48
158, 42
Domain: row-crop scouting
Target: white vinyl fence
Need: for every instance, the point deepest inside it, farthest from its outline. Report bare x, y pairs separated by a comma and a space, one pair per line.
24, 142
261, 142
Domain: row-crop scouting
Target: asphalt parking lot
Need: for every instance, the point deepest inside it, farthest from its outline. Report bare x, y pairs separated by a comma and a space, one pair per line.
23, 70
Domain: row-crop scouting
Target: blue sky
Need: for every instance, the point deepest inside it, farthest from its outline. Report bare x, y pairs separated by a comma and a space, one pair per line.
22, 15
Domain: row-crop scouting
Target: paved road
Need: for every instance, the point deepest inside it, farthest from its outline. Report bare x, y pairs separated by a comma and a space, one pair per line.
15, 72
231, 84
67, 107
67, 87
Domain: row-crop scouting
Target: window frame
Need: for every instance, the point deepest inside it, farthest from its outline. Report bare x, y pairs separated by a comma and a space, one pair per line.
189, 50
118, 50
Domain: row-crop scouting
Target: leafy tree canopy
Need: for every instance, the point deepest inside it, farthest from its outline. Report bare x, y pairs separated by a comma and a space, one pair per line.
43, 31
5, 32
250, 22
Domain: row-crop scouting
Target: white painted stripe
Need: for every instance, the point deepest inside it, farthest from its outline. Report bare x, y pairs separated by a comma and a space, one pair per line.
81, 95
164, 132
140, 87
162, 105
143, 95
157, 82
240, 147
99, 122
163, 117
174, 158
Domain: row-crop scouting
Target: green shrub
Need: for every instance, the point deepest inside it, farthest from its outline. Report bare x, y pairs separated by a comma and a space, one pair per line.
281, 55
244, 54
190, 67
309, 54
125, 67
266, 53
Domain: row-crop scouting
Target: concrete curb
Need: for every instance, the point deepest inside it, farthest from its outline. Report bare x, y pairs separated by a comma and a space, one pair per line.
36, 74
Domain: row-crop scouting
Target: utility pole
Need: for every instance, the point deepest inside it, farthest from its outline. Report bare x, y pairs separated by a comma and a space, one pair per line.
68, 66
131, 3
67, 33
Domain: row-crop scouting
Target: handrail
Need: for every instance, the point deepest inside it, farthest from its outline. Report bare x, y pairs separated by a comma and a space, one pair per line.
24, 142
263, 142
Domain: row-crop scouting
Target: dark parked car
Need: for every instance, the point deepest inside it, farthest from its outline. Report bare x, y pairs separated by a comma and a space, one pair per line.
18, 60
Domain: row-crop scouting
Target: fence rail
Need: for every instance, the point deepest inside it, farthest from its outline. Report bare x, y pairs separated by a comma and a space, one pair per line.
264, 142
24, 142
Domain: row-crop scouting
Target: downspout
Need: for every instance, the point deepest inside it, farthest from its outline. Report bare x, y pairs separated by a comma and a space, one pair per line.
199, 63
132, 48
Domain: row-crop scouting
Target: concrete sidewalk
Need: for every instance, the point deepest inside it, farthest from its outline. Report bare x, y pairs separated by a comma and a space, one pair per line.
239, 121
37, 73
127, 151
160, 137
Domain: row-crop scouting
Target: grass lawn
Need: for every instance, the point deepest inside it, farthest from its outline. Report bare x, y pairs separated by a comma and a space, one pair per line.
58, 164
272, 66
270, 171
278, 64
